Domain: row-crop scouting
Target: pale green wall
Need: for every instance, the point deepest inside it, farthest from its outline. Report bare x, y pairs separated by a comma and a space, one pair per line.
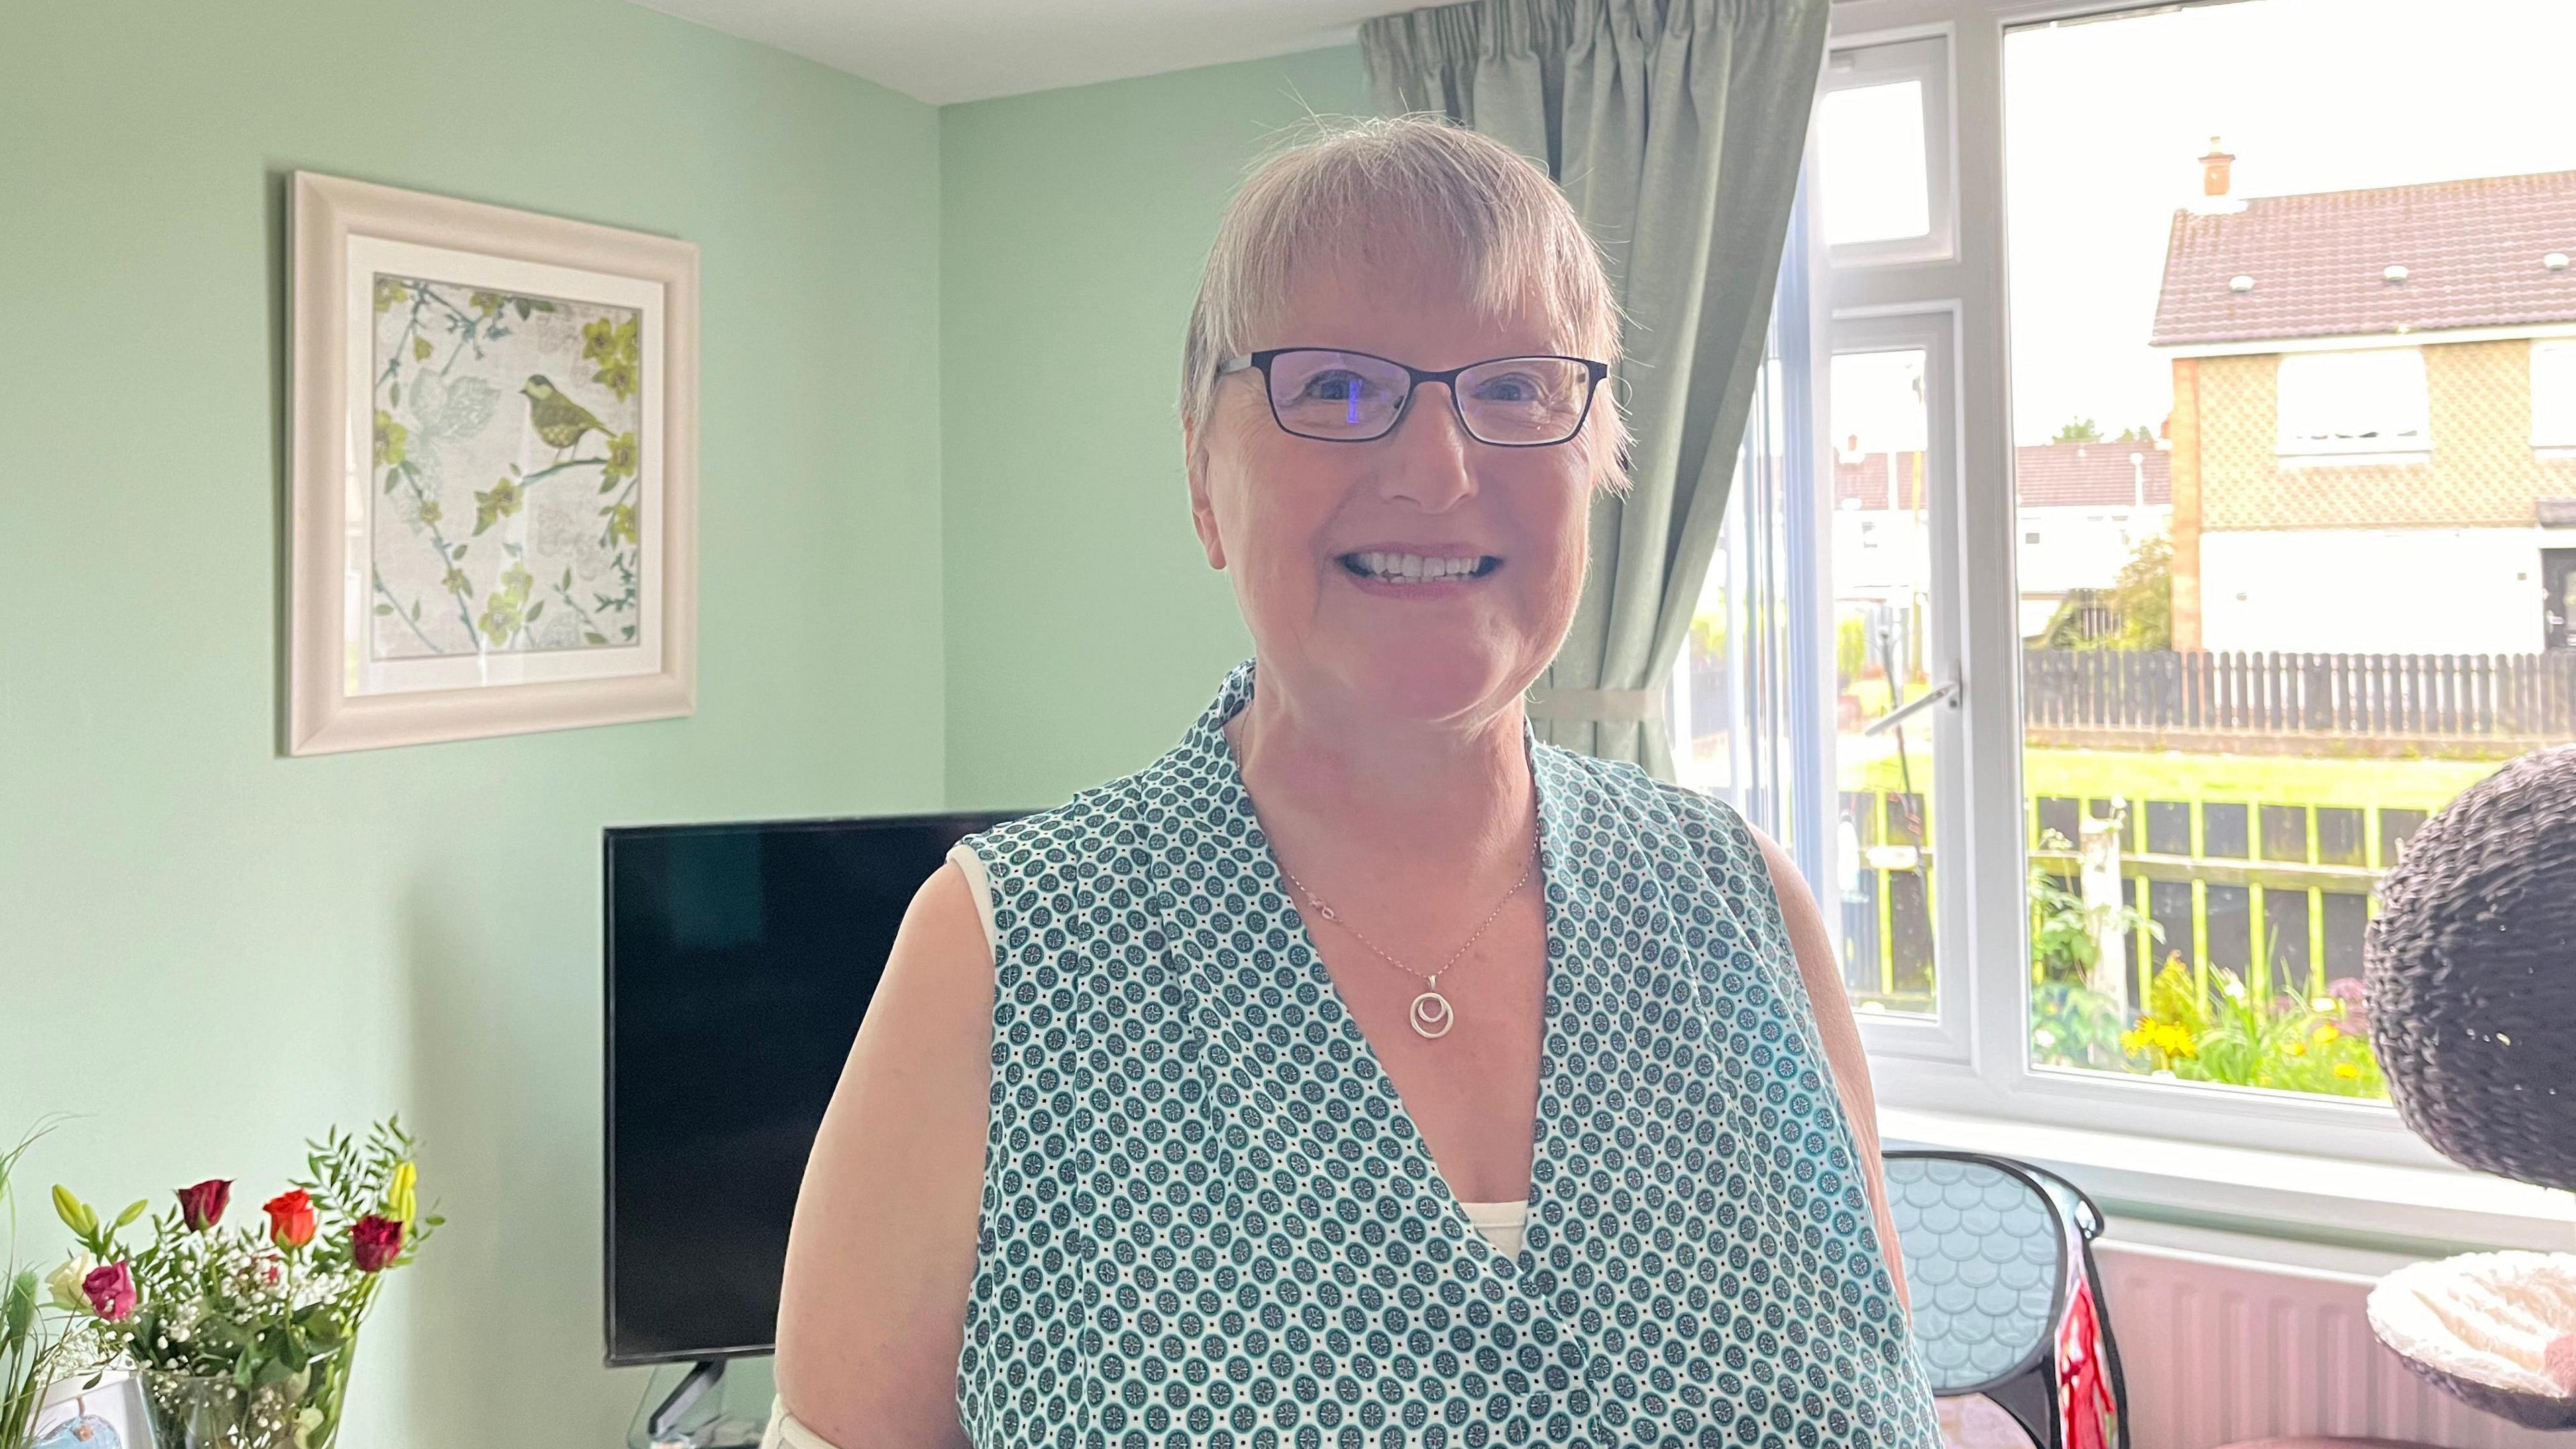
1084, 628
207, 951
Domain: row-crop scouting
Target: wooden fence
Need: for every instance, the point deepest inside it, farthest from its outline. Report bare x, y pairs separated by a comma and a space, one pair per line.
2512, 700
2277, 892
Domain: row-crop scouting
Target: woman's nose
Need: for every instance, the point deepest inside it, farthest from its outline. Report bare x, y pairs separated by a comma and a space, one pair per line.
1429, 460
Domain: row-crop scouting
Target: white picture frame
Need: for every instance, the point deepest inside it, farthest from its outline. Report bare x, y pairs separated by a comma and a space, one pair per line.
110, 1414
474, 549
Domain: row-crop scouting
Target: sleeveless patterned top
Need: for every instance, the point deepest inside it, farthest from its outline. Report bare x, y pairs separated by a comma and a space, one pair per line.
1208, 1220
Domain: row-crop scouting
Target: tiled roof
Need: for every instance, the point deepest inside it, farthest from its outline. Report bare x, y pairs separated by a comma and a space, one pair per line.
2472, 251
2047, 475
2099, 475
1862, 480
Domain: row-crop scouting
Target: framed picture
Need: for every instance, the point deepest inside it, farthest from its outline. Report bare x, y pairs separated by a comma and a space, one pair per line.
108, 1414
492, 527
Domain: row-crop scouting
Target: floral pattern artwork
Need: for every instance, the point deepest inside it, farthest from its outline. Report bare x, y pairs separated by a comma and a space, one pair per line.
506, 504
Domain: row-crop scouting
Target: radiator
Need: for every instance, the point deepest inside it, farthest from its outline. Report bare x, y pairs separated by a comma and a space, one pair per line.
2218, 1349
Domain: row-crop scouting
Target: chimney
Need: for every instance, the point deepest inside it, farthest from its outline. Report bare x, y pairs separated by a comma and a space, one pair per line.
2214, 180
2217, 182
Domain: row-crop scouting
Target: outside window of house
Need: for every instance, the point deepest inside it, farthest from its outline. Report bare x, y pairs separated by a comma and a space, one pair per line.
2354, 402
2553, 393
2128, 745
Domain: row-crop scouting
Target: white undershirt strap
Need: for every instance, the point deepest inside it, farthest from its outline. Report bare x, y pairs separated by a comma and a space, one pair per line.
979, 881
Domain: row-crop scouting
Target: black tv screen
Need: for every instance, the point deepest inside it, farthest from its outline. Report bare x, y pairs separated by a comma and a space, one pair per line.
740, 961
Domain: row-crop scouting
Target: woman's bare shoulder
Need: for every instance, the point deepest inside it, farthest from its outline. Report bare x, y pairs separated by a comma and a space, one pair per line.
882, 1256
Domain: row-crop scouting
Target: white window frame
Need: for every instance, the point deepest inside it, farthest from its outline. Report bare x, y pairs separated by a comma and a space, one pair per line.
1924, 59
2553, 373
2387, 384
1971, 1065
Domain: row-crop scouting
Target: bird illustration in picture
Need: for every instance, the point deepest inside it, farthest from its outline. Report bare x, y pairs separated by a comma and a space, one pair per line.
558, 419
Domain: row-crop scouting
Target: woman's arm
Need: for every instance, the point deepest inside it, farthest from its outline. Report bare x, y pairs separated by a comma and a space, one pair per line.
1814, 946
882, 1255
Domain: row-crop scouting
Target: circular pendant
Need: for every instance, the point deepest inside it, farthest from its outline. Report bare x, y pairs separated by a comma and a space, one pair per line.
1432, 1017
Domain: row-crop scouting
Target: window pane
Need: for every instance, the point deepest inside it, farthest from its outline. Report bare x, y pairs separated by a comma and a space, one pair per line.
1728, 702
2553, 393
2353, 402
2284, 593
1882, 589
1875, 187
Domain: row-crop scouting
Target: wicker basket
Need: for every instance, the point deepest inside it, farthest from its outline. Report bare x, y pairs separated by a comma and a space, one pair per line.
2532, 1411
2470, 973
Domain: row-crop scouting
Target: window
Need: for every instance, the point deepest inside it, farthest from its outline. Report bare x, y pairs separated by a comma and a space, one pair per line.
2073, 877
2339, 403
2553, 393
1877, 187
1883, 157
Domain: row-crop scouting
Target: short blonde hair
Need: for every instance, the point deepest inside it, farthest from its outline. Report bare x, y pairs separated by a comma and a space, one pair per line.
1368, 191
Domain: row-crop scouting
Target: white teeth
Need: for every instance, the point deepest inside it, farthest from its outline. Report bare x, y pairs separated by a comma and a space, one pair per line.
1414, 568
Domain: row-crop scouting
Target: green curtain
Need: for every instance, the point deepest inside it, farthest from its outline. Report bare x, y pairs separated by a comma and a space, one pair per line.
1676, 126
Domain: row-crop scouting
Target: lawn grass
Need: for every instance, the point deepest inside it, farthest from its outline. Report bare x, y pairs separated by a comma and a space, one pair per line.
2173, 775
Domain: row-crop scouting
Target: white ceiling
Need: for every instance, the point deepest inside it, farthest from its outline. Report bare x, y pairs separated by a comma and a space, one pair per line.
942, 51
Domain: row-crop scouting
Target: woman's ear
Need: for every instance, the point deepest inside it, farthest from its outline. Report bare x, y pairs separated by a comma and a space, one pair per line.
1194, 461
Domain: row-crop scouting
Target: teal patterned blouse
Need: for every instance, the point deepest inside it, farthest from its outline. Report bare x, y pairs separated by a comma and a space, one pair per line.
1208, 1219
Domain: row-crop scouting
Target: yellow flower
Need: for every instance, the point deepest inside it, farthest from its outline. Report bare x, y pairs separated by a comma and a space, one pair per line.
2326, 1034
2167, 1037
401, 1202
2298, 1048
2347, 1071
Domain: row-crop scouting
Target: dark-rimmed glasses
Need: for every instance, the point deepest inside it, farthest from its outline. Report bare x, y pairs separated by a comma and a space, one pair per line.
1338, 396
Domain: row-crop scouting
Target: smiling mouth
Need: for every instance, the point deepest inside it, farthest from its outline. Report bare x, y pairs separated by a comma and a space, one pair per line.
1414, 568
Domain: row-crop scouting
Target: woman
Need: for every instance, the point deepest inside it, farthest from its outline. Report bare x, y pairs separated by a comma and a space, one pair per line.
1360, 1072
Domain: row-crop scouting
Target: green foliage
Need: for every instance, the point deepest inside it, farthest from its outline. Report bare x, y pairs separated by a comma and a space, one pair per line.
505, 610
2143, 594
615, 347
1851, 649
501, 501
2072, 1025
2140, 434
2081, 430
32, 1331
621, 466
2231, 1036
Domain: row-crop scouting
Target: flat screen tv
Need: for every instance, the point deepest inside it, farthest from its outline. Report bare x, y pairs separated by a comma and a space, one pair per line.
740, 962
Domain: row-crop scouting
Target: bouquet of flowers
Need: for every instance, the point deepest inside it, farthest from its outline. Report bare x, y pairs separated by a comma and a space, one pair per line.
243, 1334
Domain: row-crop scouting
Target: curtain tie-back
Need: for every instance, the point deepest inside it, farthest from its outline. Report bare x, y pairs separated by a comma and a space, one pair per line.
1606, 706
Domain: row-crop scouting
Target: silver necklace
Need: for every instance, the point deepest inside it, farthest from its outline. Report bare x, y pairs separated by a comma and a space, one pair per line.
1431, 1015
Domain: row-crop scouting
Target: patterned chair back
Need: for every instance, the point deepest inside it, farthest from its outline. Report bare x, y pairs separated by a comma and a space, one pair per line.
2006, 1297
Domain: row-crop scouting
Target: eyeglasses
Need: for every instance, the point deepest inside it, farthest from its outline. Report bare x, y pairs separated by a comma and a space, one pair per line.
1356, 397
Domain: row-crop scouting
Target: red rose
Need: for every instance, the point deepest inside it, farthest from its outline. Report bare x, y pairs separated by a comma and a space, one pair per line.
375, 1242
201, 1206
110, 1291
290, 1218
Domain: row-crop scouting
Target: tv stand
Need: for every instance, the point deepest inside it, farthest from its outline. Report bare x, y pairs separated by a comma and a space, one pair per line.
702, 1376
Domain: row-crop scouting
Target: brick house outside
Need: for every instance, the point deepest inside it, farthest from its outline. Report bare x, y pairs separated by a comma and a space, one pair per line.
2373, 441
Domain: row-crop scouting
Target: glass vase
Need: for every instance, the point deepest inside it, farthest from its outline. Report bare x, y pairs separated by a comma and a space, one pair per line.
191, 1411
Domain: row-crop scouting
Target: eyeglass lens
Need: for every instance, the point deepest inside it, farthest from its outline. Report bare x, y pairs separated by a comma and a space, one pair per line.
1344, 396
